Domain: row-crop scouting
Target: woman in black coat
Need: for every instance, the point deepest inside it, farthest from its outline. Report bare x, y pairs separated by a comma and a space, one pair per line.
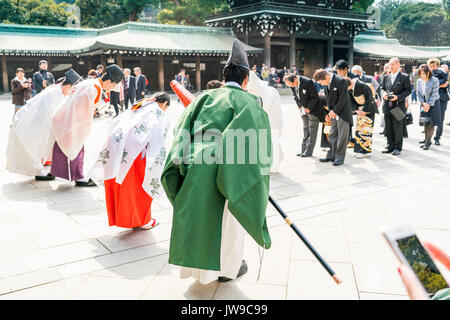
362, 96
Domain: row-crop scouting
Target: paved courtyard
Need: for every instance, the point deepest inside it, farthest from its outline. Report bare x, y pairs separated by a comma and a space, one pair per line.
55, 242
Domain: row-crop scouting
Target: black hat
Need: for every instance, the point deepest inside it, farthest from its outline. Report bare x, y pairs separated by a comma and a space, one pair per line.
115, 73
238, 56
73, 77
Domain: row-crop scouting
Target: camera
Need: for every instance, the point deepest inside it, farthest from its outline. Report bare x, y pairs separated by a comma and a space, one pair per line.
390, 95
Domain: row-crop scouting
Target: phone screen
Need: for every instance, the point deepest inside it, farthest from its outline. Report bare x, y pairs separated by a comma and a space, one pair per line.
422, 264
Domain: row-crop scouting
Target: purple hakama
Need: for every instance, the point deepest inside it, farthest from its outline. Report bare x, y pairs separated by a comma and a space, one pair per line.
60, 165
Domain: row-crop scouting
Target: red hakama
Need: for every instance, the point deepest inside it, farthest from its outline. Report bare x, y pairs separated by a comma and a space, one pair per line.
127, 204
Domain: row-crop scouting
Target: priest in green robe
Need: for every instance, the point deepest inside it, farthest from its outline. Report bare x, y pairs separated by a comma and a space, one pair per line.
217, 178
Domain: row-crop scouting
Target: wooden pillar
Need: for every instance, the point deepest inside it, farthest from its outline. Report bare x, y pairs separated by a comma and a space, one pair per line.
220, 71
330, 52
103, 60
89, 63
119, 60
49, 63
245, 37
267, 51
292, 50
5, 75
198, 74
350, 53
161, 72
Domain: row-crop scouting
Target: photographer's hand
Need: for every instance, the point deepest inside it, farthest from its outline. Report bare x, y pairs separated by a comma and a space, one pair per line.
395, 98
412, 284
385, 96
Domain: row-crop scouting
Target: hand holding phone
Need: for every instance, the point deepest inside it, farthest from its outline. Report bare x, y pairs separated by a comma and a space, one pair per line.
419, 273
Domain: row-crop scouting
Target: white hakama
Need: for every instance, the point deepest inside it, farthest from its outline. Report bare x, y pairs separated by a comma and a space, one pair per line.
231, 252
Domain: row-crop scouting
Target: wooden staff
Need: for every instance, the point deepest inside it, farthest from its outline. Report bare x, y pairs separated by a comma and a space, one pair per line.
305, 241
186, 98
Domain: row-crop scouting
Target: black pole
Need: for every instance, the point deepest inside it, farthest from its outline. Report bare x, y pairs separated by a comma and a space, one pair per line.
305, 241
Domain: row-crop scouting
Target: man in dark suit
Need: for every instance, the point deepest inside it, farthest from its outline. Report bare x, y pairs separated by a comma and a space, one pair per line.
42, 78
342, 68
129, 88
396, 87
338, 100
313, 113
442, 76
141, 84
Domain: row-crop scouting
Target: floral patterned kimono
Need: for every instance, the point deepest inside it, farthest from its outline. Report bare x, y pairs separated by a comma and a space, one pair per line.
363, 100
131, 163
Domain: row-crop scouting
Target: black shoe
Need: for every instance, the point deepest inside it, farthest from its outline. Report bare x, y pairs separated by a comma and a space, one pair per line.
305, 155
90, 183
382, 132
48, 177
326, 160
396, 153
387, 151
242, 270
436, 142
423, 141
338, 163
427, 145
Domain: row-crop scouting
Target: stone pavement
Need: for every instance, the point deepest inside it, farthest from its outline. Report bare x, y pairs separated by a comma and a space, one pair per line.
55, 242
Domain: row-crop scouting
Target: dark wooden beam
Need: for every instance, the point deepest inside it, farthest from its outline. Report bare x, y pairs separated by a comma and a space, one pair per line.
5, 75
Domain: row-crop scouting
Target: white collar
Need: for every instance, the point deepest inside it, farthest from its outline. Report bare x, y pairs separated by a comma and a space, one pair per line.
394, 75
331, 79
233, 84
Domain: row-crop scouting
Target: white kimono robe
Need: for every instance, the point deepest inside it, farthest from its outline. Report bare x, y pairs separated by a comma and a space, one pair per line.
272, 105
31, 136
135, 132
72, 121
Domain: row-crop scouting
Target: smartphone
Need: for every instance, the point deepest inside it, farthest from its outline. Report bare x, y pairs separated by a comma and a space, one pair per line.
408, 249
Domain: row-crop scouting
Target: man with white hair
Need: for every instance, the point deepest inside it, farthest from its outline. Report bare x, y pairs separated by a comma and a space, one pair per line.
141, 83
396, 88
358, 70
129, 88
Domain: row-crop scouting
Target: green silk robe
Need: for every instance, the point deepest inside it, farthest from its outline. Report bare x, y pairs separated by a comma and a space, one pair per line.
198, 191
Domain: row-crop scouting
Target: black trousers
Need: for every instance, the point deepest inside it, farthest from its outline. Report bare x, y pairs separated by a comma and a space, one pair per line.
394, 132
128, 99
440, 126
115, 96
139, 96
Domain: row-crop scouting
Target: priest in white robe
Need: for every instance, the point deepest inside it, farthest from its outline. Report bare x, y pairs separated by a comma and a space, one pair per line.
271, 102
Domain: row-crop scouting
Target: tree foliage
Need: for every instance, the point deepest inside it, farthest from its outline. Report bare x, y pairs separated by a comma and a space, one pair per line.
415, 23
34, 12
362, 5
134, 7
106, 13
188, 12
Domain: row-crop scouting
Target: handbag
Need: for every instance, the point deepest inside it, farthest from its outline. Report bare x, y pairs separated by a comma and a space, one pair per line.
425, 121
409, 118
398, 114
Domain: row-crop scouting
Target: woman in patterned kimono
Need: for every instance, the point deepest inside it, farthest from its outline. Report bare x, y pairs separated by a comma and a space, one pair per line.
362, 97
131, 163
326, 126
